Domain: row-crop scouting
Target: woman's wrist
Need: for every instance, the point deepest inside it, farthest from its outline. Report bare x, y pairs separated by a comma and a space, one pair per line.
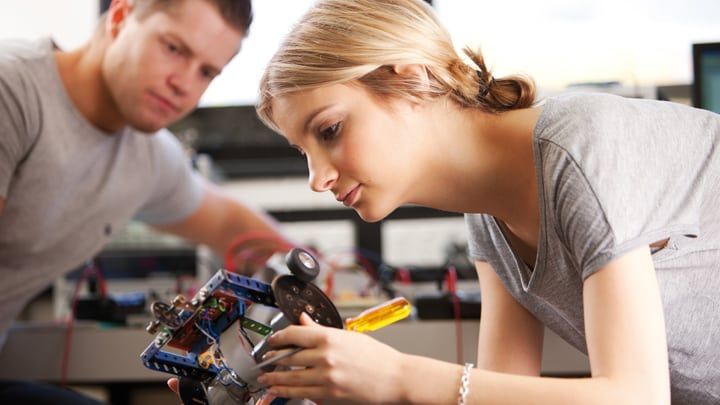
403, 378
422, 380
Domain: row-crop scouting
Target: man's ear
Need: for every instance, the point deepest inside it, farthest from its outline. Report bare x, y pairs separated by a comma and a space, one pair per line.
117, 13
414, 71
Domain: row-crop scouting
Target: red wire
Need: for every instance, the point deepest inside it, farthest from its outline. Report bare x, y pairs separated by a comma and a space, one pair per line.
89, 269
451, 281
360, 260
403, 276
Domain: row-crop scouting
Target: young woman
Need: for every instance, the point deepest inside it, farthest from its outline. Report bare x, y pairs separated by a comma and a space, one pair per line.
593, 215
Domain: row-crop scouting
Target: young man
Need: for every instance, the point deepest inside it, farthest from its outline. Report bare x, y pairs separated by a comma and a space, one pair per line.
82, 144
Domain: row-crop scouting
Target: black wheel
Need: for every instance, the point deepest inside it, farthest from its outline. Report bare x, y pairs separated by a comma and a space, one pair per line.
302, 264
166, 314
294, 296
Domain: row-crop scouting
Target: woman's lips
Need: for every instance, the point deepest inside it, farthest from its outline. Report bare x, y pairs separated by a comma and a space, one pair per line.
351, 197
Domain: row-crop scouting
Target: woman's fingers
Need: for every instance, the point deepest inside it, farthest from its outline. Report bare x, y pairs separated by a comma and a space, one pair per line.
306, 320
301, 336
311, 378
303, 358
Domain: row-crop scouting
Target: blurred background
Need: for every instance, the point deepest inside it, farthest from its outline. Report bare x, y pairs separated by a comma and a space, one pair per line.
658, 49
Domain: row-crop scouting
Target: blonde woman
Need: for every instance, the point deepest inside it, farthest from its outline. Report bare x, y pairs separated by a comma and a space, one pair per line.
593, 215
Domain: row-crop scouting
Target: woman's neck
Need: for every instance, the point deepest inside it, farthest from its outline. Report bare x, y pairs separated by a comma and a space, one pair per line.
484, 163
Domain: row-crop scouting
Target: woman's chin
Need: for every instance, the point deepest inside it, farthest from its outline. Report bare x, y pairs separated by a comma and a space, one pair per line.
372, 215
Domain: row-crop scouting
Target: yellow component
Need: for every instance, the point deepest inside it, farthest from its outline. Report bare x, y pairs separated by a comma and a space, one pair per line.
205, 359
379, 316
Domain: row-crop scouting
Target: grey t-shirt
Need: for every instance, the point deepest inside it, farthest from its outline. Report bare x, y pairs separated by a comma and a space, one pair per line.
68, 186
615, 174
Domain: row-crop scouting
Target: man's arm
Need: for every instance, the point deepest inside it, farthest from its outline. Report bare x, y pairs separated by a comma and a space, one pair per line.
510, 339
219, 220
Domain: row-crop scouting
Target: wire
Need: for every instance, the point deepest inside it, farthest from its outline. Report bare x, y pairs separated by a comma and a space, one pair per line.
360, 258
204, 332
451, 281
90, 268
244, 334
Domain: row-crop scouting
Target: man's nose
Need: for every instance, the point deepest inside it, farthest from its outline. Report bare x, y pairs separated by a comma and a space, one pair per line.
180, 81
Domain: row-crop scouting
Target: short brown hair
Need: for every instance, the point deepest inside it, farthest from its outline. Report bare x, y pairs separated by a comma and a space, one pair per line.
237, 13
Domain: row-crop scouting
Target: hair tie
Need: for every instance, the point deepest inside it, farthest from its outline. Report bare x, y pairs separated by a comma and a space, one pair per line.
484, 90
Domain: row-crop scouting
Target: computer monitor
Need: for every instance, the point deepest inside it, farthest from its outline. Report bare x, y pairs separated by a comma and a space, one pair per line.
706, 67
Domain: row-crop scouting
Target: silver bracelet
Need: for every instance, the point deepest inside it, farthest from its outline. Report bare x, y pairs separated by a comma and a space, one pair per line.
464, 383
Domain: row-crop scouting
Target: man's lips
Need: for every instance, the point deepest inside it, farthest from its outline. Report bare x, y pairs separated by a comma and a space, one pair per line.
164, 102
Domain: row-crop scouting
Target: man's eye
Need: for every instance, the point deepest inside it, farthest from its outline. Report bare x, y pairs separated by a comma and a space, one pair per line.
208, 74
172, 48
329, 133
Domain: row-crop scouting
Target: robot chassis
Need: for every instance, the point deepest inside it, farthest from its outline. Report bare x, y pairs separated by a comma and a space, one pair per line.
194, 327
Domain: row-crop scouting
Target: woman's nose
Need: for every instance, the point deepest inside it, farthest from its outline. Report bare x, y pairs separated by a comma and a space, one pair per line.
322, 175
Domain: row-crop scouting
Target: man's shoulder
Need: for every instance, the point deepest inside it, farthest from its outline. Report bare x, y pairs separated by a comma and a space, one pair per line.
24, 67
16, 54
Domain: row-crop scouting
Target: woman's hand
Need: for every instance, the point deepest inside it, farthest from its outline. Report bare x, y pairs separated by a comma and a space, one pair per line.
335, 364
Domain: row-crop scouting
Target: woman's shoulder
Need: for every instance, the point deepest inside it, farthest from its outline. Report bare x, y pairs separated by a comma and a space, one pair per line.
583, 124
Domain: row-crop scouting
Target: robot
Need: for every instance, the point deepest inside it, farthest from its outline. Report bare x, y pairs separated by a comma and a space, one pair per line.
193, 328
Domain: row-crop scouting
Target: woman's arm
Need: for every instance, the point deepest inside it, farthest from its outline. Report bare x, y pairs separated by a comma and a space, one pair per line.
510, 339
626, 343
625, 334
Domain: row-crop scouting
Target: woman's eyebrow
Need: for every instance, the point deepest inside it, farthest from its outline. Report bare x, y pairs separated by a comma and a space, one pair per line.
311, 117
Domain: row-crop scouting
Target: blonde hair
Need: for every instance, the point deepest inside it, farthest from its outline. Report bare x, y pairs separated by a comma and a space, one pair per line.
339, 41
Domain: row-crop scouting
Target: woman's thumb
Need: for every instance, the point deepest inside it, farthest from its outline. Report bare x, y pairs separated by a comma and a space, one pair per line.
306, 320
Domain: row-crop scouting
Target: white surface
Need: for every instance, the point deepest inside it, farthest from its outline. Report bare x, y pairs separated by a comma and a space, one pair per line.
113, 355
421, 241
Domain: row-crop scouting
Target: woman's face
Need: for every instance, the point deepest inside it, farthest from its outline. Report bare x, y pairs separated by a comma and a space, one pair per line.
362, 149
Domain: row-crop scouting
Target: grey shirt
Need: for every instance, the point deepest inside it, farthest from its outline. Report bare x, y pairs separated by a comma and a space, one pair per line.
615, 174
68, 186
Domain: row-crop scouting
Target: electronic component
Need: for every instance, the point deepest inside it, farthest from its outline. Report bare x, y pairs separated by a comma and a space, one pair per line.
194, 327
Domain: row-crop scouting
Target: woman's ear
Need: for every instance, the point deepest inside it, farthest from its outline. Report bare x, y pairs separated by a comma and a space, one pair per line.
413, 71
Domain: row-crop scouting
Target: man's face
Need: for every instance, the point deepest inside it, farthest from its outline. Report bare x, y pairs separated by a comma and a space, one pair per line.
156, 68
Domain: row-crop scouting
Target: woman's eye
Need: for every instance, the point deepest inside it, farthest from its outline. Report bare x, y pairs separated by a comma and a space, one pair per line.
300, 151
329, 133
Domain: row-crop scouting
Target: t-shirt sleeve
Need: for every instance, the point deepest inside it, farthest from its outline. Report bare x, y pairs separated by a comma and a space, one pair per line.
480, 240
177, 188
604, 212
18, 124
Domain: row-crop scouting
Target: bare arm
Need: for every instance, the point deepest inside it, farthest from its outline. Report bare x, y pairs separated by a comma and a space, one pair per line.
218, 220
510, 339
2, 205
625, 335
